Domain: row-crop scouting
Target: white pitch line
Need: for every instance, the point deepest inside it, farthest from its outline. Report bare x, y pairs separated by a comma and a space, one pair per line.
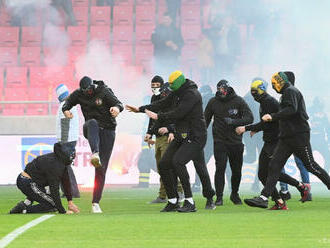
14, 234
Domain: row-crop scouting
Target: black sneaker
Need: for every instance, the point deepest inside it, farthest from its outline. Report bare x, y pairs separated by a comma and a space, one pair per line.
187, 207
285, 196
219, 201
170, 207
18, 209
210, 204
308, 198
235, 199
257, 202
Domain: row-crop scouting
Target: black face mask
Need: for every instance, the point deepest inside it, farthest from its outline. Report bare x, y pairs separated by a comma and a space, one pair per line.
89, 91
255, 95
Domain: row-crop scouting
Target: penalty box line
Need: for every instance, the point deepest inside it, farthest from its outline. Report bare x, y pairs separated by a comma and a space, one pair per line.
14, 234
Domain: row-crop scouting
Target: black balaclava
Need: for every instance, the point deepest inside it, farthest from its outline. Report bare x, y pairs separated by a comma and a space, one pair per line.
87, 86
157, 79
165, 90
223, 89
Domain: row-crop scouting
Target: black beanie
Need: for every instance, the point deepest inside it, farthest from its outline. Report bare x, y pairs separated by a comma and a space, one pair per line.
157, 79
85, 82
290, 76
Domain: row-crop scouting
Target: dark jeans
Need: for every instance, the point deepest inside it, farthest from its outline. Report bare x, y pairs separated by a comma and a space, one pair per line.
223, 152
100, 140
173, 164
36, 193
298, 145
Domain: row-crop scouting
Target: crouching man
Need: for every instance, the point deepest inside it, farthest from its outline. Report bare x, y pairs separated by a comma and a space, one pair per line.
47, 170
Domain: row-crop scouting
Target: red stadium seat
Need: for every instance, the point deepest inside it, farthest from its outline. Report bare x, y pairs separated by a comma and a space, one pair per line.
146, 2
190, 15
9, 36
14, 94
122, 54
74, 52
191, 34
124, 2
31, 36
123, 15
100, 15
5, 18
78, 35
144, 56
30, 56
100, 33
16, 77
81, 15
145, 15
38, 94
79, 3
8, 56
143, 35
122, 35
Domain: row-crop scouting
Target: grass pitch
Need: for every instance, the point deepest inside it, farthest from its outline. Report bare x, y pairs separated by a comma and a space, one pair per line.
129, 221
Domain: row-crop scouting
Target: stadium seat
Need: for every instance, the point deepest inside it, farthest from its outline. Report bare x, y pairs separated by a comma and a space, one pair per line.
38, 94
145, 15
30, 56
123, 15
31, 36
191, 33
146, 2
14, 94
79, 3
16, 77
122, 35
100, 33
81, 15
5, 18
144, 56
78, 35
8, 56
100, 15
143, 35
122, 54
9, 36
190, 15
74, 52
188, 2
124, 2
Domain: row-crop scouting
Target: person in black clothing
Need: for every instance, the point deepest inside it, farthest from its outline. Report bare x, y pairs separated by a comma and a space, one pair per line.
229, 111
293, 138
269, 104
190, 138
100, 107
47, 170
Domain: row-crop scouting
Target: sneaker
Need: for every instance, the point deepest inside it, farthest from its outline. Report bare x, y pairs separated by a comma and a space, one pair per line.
170, 207
181, 197
187, 207
158, 200
305, 192
279, 206
18, 209
285, 196
196, 188
235, 199
95, 160
96, 209
257, 202
210, 204
219, 201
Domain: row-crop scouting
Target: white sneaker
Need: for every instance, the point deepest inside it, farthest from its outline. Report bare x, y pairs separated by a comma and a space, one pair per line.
96, 208
95, 160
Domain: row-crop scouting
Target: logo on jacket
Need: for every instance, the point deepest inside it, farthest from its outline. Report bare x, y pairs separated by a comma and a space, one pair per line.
233, 111
184, 135
98, 101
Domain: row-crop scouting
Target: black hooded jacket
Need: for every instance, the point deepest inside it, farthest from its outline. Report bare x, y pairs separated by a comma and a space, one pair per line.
268, 105
51, 170
187, 115
229, 113
292, 115
97, 106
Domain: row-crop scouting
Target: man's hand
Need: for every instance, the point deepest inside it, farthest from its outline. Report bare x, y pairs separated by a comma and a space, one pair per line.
170, 137
252, 133
147, 137
240, 130
69, 212
162, 130
132, 108
114, 111
72, 207
151, 142
151, 114
267, 118
68, 114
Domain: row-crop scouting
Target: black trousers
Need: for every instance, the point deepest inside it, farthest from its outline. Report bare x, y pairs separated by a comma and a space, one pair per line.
173, 165
264, 160
223, 152
36, 193
100, 140
298, 145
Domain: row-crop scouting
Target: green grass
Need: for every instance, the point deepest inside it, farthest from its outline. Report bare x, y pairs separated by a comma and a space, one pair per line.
129, 221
